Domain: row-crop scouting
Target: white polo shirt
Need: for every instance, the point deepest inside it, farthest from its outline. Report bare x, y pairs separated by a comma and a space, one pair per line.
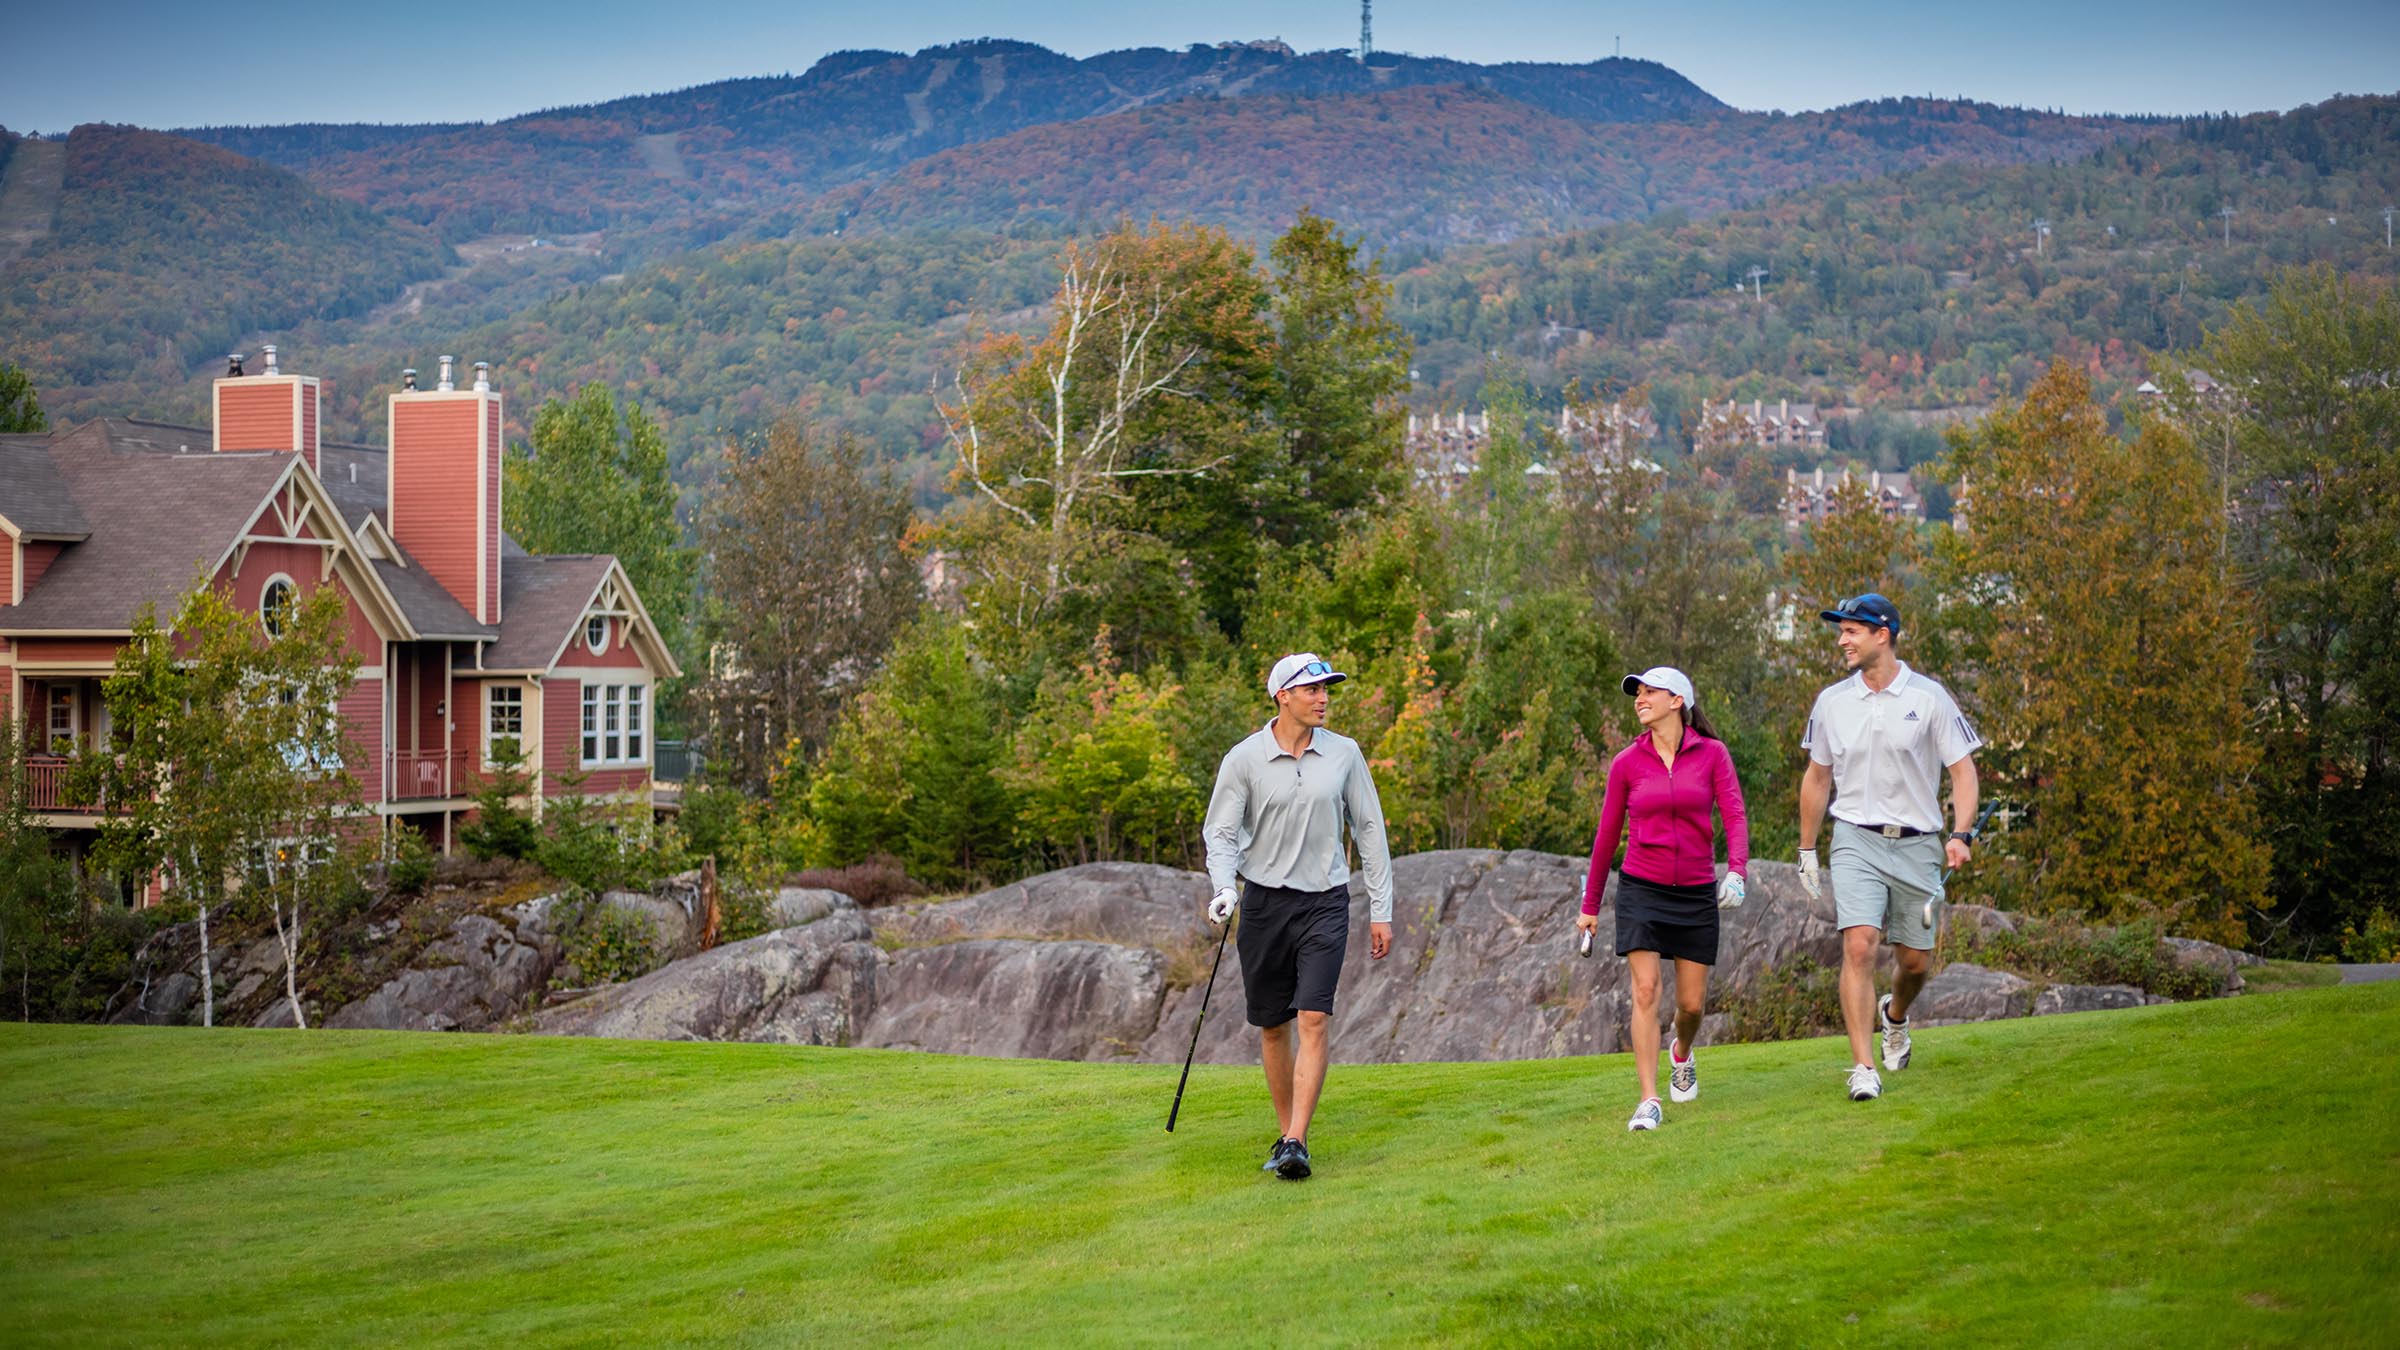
1887, 748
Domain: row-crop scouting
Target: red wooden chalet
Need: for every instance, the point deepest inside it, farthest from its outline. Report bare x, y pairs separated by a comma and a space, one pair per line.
467, 645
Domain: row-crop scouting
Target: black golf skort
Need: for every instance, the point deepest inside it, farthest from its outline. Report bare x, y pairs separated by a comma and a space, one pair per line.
1291, 944
1674, 921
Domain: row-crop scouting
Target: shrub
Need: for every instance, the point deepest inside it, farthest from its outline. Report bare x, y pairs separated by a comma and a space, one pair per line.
2065, 952
744, 911
501, 829
880, 880
1801, 997
606, 944
2380, 942
408, 862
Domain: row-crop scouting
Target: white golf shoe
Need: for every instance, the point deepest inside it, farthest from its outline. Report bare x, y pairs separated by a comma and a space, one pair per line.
1865, 1084
1683, 1075
1646, 1116
1895, 1036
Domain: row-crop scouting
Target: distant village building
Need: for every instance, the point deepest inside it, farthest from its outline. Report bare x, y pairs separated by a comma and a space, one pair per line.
1786, 425
1808, 499
1444, 449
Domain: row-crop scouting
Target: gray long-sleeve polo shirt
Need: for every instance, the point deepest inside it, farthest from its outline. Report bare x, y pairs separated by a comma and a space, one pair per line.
1277, 818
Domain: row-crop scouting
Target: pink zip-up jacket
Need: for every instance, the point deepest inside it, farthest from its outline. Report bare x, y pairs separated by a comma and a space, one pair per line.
1672, 841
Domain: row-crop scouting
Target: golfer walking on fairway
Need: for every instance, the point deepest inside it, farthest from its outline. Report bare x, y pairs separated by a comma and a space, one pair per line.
1274, 829
1879, 742
1666, 783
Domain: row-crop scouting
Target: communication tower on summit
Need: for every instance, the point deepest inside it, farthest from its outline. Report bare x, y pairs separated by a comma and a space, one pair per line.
1366, 29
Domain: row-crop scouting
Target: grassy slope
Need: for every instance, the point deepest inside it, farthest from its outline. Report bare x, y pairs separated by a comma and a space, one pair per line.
2154, 1176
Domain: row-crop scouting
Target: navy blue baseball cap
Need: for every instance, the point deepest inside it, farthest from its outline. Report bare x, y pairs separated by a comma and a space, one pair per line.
1870, 609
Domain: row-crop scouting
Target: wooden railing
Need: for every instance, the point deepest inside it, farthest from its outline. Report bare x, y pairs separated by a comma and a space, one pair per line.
47, 787
421, 774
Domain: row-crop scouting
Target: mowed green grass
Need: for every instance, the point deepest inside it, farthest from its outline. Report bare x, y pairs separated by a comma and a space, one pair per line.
2218, 1173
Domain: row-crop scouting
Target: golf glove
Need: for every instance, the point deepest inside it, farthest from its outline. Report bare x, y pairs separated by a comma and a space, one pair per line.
1732, 891
1808, 874
1221, 905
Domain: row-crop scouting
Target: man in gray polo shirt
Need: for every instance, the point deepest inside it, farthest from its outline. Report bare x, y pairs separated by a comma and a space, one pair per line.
1879, 742
1274, 828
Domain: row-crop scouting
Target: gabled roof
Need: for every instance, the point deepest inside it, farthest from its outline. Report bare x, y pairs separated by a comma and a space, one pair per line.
542, 600
34, 501
170, 517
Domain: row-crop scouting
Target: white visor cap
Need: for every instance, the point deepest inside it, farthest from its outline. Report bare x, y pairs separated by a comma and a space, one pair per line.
1301, 668
1662, 677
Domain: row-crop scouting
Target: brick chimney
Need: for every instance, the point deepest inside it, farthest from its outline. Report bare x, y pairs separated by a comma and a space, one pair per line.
444, 497
267, 411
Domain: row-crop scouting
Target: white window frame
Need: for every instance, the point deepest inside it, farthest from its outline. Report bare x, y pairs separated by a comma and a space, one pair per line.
284, 579
492, 735
597, 642
51, 707
616, 725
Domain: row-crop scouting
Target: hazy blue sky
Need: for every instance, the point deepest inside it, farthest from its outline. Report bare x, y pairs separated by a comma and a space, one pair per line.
184, 64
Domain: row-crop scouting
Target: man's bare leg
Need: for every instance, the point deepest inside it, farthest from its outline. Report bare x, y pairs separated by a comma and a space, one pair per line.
1308, 1072
1858, 989
1275, 1047
1909, 979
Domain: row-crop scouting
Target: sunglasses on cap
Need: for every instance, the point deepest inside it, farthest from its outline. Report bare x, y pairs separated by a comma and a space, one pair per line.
1312, 670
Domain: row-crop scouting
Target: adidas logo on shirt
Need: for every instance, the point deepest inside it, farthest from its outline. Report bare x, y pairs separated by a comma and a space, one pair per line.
1912, 716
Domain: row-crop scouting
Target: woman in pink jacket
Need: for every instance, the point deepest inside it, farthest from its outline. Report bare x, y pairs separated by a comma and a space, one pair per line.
1665, 784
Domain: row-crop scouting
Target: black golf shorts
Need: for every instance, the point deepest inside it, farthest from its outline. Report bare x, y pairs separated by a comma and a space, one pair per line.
1291, 944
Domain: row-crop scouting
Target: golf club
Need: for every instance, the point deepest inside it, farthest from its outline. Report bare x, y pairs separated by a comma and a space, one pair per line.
1188, 1054
1980, 817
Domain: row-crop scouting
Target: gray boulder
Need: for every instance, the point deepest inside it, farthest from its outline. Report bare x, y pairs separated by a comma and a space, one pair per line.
165, 1003
2071, 998
813, 985
1981, 920
478, 975
793, 906
1136, 904
1963, 992
1019, 998
2222, 962
677, 930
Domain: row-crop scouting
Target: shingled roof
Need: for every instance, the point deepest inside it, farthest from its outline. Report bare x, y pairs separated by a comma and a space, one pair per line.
542, 600
171, 517
33, 494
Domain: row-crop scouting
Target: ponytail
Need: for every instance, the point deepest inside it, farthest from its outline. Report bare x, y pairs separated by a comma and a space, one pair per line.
1698, 721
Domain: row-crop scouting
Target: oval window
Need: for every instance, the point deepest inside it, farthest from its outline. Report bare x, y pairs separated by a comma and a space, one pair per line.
275, 605
595, 634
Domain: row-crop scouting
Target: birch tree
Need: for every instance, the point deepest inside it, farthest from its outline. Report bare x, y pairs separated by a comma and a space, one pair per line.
228, 768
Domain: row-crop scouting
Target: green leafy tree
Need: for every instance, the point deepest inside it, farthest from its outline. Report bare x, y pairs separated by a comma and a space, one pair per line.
594, 480
37, 892
1096, 771
20, 408
911, 771
2306, 380
2122, 646
1341, 364
229, 768
809, 581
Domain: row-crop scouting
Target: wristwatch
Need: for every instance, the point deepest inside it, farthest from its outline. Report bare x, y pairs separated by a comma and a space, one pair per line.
1966, 837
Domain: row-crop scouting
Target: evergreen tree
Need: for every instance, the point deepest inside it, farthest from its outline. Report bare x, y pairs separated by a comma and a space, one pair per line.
20, 408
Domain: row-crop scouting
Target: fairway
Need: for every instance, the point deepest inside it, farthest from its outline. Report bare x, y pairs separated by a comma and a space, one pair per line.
2209, 1173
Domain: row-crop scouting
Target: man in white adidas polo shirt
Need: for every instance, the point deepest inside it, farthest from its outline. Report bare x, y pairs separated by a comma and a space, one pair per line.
1879, 742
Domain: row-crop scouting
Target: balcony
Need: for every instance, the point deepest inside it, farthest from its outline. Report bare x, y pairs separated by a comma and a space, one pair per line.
47, 788
424, 775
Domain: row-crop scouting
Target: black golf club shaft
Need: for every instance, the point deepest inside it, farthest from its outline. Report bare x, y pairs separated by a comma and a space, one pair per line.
1177, 1108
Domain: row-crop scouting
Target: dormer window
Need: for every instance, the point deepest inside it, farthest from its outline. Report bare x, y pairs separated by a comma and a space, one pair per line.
275, 605
595, 634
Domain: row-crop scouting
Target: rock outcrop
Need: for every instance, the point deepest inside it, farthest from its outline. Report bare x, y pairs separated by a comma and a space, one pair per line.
476, 976
811, 985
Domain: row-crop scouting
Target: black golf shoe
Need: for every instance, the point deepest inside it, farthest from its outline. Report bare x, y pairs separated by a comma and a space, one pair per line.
1293, 1166
1275, 1155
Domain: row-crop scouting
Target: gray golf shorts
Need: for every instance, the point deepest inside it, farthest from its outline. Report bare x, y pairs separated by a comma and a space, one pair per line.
1884, 883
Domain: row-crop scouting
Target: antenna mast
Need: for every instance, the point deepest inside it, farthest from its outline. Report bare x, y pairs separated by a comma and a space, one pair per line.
1366, 29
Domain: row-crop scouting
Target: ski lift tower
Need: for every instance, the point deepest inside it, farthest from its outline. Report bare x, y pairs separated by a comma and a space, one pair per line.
1366, 29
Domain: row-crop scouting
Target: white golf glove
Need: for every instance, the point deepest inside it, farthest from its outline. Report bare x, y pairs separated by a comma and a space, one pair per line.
1731, 891
1808, 874
1221, 905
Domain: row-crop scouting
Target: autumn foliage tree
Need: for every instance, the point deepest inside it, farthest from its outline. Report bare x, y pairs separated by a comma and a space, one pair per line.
2111, 667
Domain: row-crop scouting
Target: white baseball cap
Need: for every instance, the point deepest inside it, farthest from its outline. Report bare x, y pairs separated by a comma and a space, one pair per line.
1662, 677
1301, 668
